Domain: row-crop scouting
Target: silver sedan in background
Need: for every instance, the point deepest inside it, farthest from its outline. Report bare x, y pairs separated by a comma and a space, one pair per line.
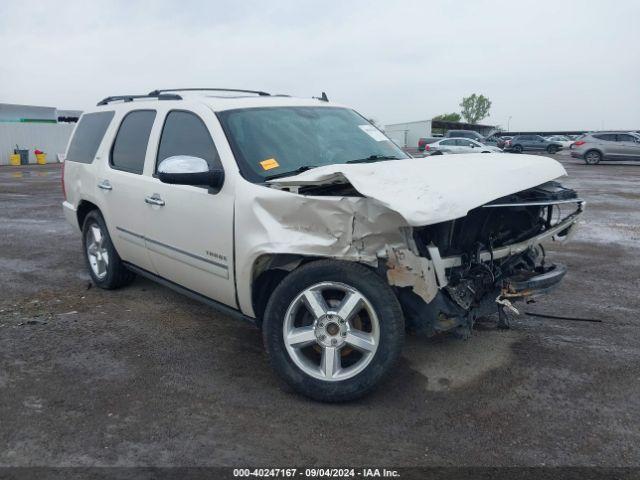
459, 145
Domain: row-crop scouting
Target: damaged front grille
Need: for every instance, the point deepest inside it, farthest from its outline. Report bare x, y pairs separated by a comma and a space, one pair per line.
488, 256
502, 222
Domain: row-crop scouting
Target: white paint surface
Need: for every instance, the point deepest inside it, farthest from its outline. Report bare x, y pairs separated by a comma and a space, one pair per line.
432, 190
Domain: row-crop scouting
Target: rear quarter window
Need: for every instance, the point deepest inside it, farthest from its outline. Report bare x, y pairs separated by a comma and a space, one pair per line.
87, 136
607, 137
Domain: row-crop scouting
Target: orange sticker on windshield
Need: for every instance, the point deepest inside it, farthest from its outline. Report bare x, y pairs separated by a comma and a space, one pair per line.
269, 163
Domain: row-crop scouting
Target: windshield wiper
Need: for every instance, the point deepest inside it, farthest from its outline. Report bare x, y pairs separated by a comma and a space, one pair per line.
301, 169
373, 158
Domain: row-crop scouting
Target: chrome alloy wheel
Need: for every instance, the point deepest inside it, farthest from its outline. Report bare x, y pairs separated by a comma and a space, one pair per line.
331, 331
97, 252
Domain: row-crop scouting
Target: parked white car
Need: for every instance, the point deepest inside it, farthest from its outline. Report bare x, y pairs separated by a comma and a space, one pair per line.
302, 217
562, 140
460, 145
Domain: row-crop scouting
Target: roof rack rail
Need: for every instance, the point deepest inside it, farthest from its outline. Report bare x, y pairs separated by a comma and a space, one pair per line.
131, 98
257, 92
322, 98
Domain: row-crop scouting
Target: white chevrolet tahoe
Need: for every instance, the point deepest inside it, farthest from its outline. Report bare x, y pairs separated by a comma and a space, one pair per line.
301, 216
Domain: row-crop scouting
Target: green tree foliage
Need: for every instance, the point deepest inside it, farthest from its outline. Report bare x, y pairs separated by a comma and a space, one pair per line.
475, 108
448, 117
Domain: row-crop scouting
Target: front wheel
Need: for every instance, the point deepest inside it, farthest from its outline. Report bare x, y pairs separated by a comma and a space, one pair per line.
552, 149
333, 330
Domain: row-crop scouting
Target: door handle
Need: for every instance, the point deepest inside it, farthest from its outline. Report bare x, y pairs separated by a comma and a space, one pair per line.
105, 185
154, 200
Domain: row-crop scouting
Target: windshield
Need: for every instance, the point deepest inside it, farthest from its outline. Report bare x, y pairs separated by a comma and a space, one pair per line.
274, 141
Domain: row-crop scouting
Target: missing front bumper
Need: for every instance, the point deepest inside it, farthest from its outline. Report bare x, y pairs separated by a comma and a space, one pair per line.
532, 283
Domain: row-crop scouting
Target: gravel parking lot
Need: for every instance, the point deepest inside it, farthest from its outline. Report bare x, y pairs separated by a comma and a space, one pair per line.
145, 376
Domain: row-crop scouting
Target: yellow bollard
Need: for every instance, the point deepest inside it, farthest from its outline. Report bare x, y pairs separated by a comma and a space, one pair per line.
41, 158
14, 159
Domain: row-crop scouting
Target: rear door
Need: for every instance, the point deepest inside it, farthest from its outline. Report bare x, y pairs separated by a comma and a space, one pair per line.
525, 141
608, 145
448, 145
121, 185
190, 236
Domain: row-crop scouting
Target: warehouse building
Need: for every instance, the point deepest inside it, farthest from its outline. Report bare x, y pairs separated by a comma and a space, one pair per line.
31, 127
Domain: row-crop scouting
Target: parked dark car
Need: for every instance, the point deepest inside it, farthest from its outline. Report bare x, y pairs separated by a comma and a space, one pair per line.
520, 143
502, 141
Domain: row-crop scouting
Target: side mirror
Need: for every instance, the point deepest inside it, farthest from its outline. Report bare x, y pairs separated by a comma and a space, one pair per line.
187, 170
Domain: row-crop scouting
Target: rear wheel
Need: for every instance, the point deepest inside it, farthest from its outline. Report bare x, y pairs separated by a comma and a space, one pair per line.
517, 148
103, 262
333, 330
592, 157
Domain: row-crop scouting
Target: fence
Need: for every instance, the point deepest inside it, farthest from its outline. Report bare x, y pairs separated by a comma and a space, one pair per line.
51, 138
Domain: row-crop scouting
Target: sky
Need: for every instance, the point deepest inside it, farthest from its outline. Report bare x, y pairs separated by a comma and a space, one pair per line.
552, 65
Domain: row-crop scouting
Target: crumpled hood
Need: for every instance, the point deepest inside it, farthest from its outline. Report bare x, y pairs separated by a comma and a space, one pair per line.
436, 189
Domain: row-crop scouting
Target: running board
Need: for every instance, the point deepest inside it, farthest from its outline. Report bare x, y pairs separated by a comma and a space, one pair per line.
220, 307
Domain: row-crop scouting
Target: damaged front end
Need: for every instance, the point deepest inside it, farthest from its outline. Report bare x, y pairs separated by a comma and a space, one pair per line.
477, 265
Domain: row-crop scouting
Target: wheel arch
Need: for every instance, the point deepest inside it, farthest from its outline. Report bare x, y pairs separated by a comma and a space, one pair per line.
593, 149
267, 273
270, 269
84, 207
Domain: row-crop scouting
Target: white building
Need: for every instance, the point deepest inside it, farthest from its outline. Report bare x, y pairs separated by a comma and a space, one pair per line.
406, 135
32, 127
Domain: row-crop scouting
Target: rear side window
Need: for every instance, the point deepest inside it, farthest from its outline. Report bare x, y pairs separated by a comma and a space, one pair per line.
130, 146
609, 137
184, 133
88, 136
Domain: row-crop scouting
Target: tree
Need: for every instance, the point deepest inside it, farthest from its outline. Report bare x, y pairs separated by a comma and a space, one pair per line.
448, 117
475, 108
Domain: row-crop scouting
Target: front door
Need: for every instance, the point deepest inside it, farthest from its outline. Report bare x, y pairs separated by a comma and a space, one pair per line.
465, 146
627, 146
190, 233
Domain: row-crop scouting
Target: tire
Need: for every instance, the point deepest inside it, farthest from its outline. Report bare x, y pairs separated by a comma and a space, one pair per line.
551, 149
305, 363
103, 262
592, 157
517, 149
